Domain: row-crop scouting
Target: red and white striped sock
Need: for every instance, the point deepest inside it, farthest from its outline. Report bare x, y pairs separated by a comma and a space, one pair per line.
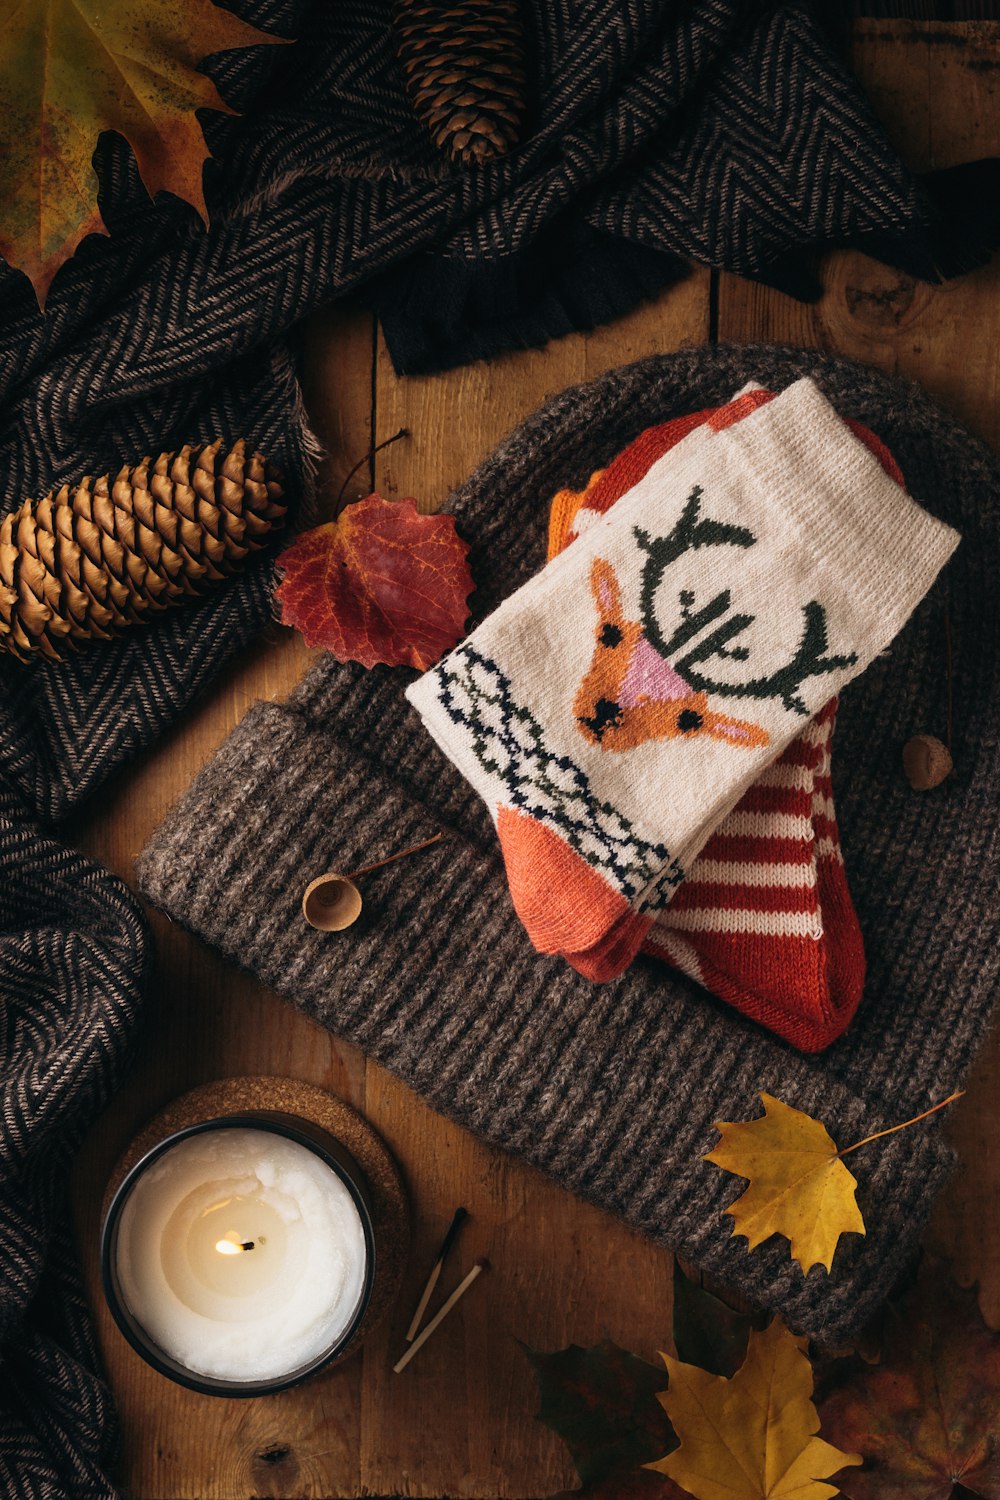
764, 918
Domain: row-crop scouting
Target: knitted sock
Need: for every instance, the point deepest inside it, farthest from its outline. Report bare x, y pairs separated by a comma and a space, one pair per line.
680, 644
570, 514
786, 951
764, 918
572, 511
766, 921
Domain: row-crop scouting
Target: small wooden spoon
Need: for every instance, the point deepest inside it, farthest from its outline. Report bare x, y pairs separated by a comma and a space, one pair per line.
332, 902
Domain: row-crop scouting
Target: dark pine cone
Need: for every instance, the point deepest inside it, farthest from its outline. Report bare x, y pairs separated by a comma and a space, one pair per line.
464, 66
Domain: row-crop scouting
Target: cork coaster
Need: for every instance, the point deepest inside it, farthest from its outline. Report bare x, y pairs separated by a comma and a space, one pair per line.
389, 1207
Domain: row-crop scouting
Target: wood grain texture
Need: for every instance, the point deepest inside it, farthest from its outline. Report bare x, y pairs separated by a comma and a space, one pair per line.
454, 419
937, 88
459, 1421
337, 371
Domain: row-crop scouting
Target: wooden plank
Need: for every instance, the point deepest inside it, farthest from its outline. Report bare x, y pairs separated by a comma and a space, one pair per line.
338, 354
454, 419
937, 88
460, 1420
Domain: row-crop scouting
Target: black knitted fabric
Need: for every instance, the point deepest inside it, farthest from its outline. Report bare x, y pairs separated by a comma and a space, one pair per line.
723, 132
73, 954
614, 1088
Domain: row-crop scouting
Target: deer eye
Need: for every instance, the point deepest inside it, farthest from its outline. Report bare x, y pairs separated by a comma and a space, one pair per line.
610, 636
688, 719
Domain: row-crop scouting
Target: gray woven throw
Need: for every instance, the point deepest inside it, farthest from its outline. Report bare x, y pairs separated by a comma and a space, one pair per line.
726, 132
613, 1089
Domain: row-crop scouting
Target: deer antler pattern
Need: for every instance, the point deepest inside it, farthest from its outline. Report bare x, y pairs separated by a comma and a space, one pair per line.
689, 532
808, 661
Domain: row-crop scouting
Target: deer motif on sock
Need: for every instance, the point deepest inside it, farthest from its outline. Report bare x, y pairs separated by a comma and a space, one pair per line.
641, 686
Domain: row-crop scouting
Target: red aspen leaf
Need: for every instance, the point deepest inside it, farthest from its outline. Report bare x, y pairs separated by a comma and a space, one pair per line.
927, 1419
72, 68
382, 583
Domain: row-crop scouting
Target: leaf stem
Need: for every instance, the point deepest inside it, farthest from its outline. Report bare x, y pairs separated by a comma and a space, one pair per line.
893, 1128
413, 849
402, 433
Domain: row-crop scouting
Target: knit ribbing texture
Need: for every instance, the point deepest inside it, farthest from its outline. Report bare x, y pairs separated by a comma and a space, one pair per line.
614, 1089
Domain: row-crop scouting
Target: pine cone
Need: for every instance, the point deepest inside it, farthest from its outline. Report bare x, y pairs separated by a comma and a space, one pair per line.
464, 66
89, 559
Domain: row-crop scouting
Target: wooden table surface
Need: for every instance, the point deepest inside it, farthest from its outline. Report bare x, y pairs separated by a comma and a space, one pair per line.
459, 1422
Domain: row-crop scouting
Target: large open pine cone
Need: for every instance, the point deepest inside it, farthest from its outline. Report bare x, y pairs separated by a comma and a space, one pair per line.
104, 553
464, 66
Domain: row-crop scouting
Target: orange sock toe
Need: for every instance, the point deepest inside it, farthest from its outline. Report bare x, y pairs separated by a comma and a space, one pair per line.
565, 905
612, 955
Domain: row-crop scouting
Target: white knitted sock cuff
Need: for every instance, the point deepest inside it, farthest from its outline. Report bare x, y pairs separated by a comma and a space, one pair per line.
850, 516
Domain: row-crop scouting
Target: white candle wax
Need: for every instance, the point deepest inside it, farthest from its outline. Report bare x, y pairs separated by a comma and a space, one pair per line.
241, 1254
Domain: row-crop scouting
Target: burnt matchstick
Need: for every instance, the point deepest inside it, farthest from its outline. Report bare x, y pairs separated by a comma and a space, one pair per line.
441, 1314
461, 1215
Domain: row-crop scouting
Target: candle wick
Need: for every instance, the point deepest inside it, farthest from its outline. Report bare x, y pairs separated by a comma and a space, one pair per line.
232, 1245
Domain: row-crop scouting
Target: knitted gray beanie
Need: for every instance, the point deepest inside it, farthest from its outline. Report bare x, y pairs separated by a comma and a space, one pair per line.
613, 1089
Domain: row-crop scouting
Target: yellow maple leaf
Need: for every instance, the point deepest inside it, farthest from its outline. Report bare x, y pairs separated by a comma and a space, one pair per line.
72, 68
752, 1437
798, 1186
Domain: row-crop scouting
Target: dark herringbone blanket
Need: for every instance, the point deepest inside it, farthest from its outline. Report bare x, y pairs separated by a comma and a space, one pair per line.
724, 132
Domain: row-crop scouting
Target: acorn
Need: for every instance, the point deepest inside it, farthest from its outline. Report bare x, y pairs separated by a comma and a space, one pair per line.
927, 762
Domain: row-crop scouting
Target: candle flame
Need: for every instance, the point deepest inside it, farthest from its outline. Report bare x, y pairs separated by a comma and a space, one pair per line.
232, 1244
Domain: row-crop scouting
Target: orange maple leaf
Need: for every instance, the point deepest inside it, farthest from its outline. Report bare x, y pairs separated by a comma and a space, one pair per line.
382, 583
72, 68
